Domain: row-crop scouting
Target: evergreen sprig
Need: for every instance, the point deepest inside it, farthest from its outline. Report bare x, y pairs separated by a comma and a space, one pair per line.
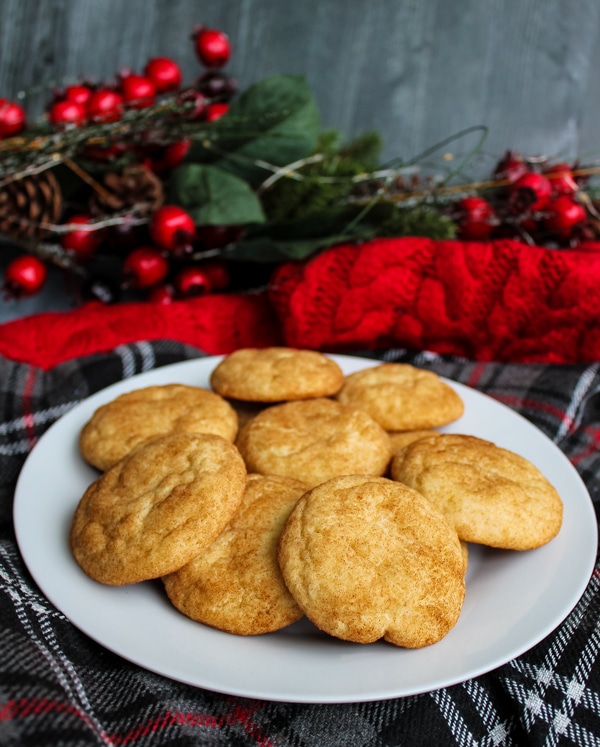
323, 182
267, 167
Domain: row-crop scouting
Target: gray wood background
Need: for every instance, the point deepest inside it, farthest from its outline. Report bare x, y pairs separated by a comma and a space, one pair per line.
417, 71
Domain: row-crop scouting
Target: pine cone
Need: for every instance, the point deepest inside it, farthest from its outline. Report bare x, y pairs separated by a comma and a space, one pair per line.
134, 186
29, 204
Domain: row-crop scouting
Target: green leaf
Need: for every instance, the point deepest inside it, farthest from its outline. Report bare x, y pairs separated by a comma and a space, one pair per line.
266, 245
299, 239
213, 196
275, 121
267, 249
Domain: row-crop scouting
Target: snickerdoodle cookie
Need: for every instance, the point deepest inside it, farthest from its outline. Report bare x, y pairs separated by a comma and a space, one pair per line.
401, 397
492, 496
401, 439
368, 558
313, 440
236, 584
157, 508
137, 417
276, 375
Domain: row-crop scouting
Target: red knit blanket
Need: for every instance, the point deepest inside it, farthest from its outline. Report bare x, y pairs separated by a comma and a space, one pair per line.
501, 301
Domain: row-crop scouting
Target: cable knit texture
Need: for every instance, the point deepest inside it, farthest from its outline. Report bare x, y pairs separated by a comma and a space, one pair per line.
501, 300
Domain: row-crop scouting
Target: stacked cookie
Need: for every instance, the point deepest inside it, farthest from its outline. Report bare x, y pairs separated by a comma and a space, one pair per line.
290, 489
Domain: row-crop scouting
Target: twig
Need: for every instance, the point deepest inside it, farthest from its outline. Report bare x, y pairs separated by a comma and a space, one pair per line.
289, 171
117, 219
89, 180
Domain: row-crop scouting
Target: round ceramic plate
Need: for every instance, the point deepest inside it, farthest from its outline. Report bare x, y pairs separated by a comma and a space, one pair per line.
513, 600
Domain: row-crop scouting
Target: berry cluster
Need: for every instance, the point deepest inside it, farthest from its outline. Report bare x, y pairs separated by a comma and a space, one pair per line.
158, 258
537, 203
144, 142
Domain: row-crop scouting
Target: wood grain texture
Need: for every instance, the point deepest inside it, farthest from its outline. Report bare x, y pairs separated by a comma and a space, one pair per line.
416, 72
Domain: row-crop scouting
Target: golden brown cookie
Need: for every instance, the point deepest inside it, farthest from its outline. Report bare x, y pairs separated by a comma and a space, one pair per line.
313, 440
493, 496
137, 417
464, 546
157, 508
236, 584
276, 375
401, 397
401, 439
367, 558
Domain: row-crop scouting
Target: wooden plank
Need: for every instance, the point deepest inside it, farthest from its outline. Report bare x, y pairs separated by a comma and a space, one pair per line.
414, 71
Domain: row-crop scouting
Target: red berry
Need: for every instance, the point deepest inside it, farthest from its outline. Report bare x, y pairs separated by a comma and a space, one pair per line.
161, 294
172, 228
216, 85
212, 47
82, 243
24, 276
217, 274
173, 156
530, 192
67, 112
12, 118
195, 103
510, 167
216, 110
477, 218
176, 152
562, 179
78, 94
164, 73
563, 215
105, 105
144, 267
138, 91
192, 281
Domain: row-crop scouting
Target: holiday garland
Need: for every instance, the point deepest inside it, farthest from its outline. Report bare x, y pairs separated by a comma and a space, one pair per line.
147, 188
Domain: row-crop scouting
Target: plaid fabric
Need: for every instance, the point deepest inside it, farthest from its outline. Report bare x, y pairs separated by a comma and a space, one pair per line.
58, 688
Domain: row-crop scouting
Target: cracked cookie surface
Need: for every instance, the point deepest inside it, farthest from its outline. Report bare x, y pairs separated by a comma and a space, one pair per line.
157, 508
401, 397
137, 417
276, 374
236, 584
492, 496
314, 440
367, 558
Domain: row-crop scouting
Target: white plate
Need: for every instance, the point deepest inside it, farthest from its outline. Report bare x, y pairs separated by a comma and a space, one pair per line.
513, 599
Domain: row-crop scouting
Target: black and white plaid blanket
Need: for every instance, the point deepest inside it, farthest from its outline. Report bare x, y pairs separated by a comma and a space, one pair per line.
59, 688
